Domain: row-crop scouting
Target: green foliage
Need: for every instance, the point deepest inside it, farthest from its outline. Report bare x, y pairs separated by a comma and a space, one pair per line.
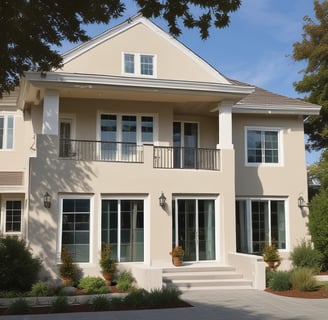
314, 50
40, 289
305, 256
302, 279
271, 253
107, 264
60, 304
125, 281
318, 224
164, 297
18, 268
19, 306
279, 280
100, 303
93, 285
33, 28
67, 269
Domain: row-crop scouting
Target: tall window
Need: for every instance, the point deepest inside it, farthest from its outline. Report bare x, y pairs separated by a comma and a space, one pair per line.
263, 146
6, 132
13, 216
260, 222
76, 228
139, 64
122, 226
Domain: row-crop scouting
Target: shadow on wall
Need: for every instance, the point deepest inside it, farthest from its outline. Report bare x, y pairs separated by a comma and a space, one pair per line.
49, 174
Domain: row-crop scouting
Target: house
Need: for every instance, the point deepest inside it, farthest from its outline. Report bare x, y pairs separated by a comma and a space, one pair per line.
134, 118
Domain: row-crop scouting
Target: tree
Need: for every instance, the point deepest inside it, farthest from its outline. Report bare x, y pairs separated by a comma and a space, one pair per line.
30, 27
314, 50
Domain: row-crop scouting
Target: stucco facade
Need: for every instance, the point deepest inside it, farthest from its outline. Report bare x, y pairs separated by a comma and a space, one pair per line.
134, 114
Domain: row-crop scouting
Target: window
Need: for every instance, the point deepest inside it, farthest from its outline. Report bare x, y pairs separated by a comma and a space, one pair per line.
6, 132
13, 216
76, 227
122, 225
260, 222
139, 64
262, 146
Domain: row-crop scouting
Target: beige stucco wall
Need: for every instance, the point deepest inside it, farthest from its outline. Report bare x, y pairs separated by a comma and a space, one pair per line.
287, 181
172, 63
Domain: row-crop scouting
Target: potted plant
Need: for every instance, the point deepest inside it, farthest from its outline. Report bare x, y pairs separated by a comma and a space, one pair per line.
67, 268
177, 254
107, 264
271, 256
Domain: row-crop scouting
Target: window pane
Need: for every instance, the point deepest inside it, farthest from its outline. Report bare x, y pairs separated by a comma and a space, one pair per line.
76, 228
13, 215
260, 225
146, 65
271, 146
129, 128
128, 63
242, 232
10, 132
254, 146
1, 131
278, 226
147, 129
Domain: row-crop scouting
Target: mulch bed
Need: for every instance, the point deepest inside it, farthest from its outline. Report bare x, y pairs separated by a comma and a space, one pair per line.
321, 293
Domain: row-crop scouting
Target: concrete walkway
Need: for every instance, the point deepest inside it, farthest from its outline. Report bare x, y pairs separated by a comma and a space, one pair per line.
213, 305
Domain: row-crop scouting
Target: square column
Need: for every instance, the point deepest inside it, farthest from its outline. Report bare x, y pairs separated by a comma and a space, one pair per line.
50, 112
225, 125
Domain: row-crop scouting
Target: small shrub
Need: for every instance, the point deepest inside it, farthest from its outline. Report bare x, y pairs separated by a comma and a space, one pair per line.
93, 285
279, 281
268, 276
19, 306
137, 298
13, 294
18, 268
164, 297
60, 304
302, 279
305, 256
67, 269
116, 302
100, 303
40, 289
125, 281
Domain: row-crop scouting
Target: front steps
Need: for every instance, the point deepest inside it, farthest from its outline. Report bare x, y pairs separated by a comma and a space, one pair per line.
204, 278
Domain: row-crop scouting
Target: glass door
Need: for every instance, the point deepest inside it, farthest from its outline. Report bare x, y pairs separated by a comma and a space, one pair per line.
194, 228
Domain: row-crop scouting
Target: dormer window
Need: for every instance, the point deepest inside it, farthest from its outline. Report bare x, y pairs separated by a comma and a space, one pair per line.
139, 64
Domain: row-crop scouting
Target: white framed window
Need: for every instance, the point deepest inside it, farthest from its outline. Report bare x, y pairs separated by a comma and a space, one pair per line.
75, 226
6, 132
260, 222
139, 64
263, 146
12, 216
122, 226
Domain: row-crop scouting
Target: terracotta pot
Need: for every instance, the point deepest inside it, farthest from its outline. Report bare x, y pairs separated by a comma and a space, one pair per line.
177, 261
67, 281
108, 277
273, 264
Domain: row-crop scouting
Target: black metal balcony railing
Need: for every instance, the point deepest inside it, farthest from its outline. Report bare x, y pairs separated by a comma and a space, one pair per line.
186, 158
89, 150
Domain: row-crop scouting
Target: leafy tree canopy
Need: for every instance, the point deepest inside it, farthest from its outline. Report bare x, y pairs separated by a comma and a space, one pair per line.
314, 50
30, 27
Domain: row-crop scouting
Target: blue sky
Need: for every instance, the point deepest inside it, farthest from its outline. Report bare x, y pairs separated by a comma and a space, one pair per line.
255, 48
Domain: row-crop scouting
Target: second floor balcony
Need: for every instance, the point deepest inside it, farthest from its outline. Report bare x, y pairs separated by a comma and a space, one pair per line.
163, 157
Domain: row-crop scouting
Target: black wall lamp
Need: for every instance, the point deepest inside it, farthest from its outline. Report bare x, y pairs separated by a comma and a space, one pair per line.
47, 200
162, 200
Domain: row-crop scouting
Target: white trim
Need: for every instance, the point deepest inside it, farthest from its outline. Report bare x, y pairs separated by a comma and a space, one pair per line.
137, 65
91, 224
6, 116
3, 216
280, 162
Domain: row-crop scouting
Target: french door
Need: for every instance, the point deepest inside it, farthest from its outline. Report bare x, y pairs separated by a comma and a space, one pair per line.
194, 228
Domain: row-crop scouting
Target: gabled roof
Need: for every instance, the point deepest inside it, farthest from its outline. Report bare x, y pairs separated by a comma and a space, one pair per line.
264, 101
130, 23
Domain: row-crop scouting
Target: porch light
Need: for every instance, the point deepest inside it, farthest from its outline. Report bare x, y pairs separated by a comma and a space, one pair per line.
162, 200
47, 200
301, 202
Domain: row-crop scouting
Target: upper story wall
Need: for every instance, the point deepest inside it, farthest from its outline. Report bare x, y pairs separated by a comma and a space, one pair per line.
172, 60
289, 175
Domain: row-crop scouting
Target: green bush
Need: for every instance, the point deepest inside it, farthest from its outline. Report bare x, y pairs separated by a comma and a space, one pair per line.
125, 281
18, 268
279, 281
164, 297
318, 224
93, 285
19, 306
60, 304
303, 279
305, 256
100, 303
40, 289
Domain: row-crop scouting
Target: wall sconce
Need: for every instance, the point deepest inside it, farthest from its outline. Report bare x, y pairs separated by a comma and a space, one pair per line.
47, 200
301, 202
162, 200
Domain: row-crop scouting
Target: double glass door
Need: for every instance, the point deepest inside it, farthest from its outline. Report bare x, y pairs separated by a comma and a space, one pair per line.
194, 228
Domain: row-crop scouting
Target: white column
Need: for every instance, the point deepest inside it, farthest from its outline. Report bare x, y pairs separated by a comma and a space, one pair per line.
50, 112
225, 125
